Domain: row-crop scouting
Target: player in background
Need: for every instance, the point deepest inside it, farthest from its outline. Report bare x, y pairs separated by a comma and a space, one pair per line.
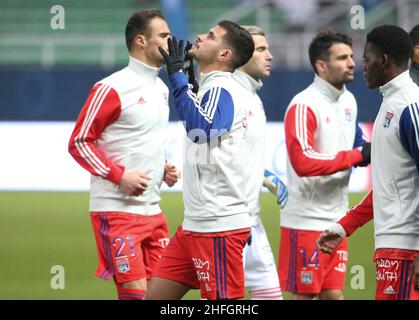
261, 276
393, 202
119, 138
414, 74
207, 250
414, 56
323, 141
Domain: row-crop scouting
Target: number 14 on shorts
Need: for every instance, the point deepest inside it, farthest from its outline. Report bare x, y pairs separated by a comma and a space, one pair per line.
313, 259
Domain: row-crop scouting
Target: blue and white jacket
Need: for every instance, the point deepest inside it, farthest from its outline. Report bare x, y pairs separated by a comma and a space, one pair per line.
395, 165
214, 173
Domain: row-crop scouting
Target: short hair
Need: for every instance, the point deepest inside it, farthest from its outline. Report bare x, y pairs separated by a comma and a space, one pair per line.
393, 41
414, 38
240, 41
320, 45
139, 23
254, 30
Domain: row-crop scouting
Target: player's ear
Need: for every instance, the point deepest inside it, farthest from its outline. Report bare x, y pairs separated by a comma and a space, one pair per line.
384, 60
416, 51
140, 41
320, 67
225, 55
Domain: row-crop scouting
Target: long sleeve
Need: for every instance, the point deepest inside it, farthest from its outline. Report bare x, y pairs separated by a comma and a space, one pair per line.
213, 114
359, 137
300, 127
101, 109
409, 131
359, 215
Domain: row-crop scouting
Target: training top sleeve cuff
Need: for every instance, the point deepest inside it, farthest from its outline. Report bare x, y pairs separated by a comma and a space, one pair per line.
338, 229
355, 156
178, 80
115, 174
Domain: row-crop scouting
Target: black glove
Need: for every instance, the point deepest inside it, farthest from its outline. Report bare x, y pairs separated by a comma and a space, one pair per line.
249, 240
188, 68
174, 60
366, 155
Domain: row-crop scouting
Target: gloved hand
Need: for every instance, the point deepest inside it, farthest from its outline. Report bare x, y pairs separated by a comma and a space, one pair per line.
277, 188
174, 60
366, 155
188, 68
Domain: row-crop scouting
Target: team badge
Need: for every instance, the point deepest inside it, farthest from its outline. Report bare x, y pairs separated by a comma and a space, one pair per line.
307, 277
387, 120
348, 114
122, 265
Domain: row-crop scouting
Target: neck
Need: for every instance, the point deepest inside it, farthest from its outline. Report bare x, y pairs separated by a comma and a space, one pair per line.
249, 74
338, 86
213, 67
392, 73
140, 55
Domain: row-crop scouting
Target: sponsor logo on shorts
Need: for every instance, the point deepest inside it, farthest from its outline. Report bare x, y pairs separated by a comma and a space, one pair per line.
202, 269
164, 242
343, 257
389, 290
306, 277
122, 265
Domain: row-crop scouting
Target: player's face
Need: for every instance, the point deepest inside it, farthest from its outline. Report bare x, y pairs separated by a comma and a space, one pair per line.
208, 46
260, 63
372, 66
159, 32
340, 67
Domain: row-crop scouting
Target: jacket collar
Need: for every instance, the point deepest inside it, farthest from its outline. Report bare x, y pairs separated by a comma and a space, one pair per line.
247, 81
142, 69
213, 74
327, 89
395, 84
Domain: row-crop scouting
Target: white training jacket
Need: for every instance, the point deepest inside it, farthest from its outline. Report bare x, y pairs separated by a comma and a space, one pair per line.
214, 172
321, 134
122, 128
255, 147
393, 201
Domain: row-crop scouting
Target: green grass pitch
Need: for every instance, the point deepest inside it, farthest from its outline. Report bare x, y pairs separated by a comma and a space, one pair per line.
42, 229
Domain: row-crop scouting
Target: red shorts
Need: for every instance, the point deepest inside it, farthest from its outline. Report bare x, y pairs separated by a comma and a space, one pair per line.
212, 262
302, 268
392, 271
128, 245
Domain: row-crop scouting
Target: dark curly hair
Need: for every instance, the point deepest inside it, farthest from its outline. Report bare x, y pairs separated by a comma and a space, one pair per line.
320, 45
414, 37
392, 41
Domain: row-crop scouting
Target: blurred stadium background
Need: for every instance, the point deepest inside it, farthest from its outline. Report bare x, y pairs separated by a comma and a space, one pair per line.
46, 75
